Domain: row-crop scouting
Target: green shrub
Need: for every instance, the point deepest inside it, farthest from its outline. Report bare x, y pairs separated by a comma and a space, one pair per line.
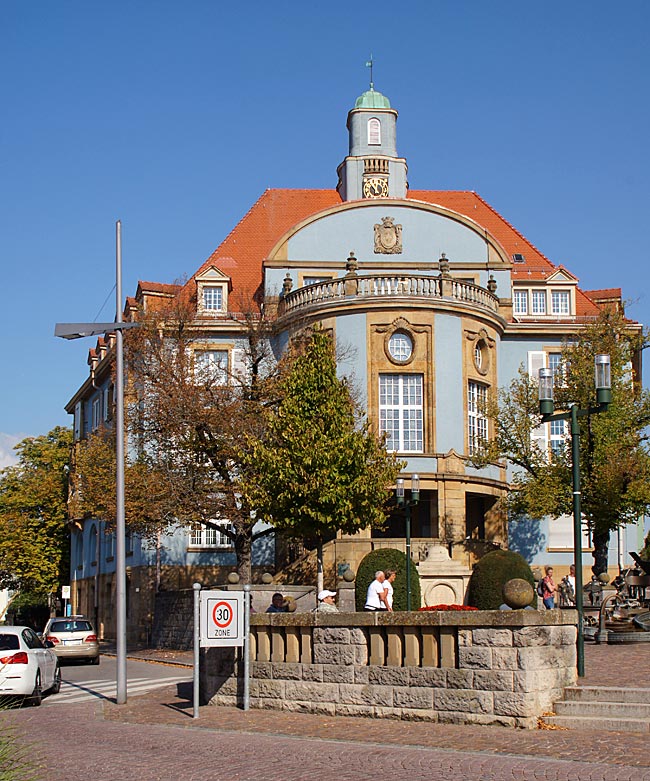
491, 573
383, 559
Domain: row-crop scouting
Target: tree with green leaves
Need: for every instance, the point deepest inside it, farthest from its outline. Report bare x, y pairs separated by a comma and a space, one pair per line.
34, 537
318, 468
614, 458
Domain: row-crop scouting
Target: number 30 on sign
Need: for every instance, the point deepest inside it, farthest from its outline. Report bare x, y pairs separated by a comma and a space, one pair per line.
222, 618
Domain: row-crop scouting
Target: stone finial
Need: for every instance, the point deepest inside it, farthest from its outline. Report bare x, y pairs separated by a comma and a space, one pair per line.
351, 265
443, 265
492, 284
287, 284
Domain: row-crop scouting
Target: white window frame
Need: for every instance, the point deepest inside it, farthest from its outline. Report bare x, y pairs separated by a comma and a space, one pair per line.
202, 536
477, 422
401, 412
97, 412
400, 346
557, 435
208, 292
537, 297
520, 302
374, 132
560, 302
212, 365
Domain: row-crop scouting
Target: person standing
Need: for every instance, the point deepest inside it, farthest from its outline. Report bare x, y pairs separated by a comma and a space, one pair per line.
388, 584
549, 589
376, 595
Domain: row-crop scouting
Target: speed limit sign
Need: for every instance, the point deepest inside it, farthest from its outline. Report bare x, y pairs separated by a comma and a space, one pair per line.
222, 618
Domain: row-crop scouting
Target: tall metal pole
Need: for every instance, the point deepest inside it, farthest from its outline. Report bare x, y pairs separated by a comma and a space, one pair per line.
577, 537
408, 556
196, 689
120, 525
246, 648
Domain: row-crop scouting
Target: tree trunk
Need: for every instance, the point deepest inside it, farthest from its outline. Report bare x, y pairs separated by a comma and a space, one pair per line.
600, 554
319, 567
243, 552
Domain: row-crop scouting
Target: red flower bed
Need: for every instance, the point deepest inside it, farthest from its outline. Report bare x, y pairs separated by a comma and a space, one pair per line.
449, 607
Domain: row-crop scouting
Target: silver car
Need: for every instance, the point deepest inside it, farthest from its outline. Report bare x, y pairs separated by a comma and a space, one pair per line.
28, 666
74, 637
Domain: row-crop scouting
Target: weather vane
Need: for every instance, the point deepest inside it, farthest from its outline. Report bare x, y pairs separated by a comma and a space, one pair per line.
369, 64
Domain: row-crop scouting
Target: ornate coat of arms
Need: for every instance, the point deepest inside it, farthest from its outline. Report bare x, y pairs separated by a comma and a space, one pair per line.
388, 237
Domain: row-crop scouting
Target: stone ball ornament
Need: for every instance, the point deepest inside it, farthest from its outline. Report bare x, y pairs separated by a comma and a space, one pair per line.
233, 577
348, 575
267, 578
518, 593
290, 604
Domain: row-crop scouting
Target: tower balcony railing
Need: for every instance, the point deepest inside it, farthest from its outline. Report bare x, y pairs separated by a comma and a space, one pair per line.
375, 287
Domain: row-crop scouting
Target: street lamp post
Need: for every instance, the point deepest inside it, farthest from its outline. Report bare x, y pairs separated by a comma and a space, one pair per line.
547, 409
402, 503
77, 331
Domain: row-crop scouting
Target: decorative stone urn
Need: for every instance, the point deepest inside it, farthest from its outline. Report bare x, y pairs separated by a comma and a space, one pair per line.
442, 579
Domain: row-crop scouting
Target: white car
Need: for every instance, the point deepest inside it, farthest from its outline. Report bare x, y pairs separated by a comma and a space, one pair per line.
28, 666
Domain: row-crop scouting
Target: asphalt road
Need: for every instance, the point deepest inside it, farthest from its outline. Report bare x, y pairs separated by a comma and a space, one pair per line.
82, 682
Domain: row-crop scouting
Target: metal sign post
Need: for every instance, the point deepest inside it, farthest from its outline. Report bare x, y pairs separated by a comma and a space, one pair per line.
65, 595
246, 649
195, 680
221, 618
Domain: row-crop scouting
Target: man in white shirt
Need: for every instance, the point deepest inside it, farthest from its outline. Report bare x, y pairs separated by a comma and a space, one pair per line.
376, 596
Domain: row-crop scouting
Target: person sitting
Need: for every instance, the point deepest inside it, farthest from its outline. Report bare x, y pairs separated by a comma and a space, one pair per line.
278, 604
326, 602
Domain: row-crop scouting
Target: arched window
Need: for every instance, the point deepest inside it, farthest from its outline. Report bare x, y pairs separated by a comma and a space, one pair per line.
91, 552
374, 132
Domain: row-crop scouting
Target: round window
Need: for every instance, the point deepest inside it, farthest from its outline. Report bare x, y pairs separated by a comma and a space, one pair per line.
481, 356
400, 346
478, 355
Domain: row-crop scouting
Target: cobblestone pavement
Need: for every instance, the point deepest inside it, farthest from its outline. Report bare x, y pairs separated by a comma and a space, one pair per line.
154, 737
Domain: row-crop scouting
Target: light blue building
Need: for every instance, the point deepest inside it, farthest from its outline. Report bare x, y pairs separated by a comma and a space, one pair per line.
435, 300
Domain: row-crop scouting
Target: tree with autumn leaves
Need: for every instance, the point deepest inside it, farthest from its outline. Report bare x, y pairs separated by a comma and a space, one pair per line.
201, 434
34, 537
614, 457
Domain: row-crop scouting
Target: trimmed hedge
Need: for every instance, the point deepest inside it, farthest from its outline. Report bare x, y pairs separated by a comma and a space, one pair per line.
383, 559
490, 575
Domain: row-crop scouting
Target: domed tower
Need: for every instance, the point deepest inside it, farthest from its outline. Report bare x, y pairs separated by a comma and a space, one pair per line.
372, 168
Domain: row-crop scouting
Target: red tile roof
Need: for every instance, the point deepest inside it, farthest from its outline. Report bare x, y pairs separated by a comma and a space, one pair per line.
241, 254
607, 292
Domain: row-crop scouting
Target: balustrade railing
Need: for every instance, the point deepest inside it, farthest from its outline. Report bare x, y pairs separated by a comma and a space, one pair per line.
394, 646
374, 286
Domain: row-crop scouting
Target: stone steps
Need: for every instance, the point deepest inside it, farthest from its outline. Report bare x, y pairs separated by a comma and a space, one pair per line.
606, 708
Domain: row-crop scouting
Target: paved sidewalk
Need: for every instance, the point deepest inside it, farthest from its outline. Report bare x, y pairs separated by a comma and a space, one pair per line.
605, 666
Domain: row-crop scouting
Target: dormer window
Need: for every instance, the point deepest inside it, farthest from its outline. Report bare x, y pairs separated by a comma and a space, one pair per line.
374, 132
560, 302
212, 292
213, 298
539, 302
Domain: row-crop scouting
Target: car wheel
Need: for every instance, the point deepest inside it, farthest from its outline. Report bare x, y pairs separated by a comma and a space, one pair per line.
56, 686
37, 695
95, 660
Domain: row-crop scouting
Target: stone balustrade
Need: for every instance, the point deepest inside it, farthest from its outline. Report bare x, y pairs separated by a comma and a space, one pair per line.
363, 288
486, 667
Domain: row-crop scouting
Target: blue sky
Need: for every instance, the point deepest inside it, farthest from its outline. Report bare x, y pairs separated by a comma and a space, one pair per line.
175, 117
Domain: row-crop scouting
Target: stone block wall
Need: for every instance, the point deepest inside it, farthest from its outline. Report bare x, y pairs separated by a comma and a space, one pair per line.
487, 667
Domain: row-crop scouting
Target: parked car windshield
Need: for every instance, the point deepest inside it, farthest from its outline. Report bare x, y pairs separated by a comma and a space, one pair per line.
9, 643
70, 626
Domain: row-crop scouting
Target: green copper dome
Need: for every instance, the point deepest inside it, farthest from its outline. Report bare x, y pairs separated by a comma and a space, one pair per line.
372, 99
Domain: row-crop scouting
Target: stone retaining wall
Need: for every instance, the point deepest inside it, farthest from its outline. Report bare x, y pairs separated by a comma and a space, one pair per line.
485, 667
